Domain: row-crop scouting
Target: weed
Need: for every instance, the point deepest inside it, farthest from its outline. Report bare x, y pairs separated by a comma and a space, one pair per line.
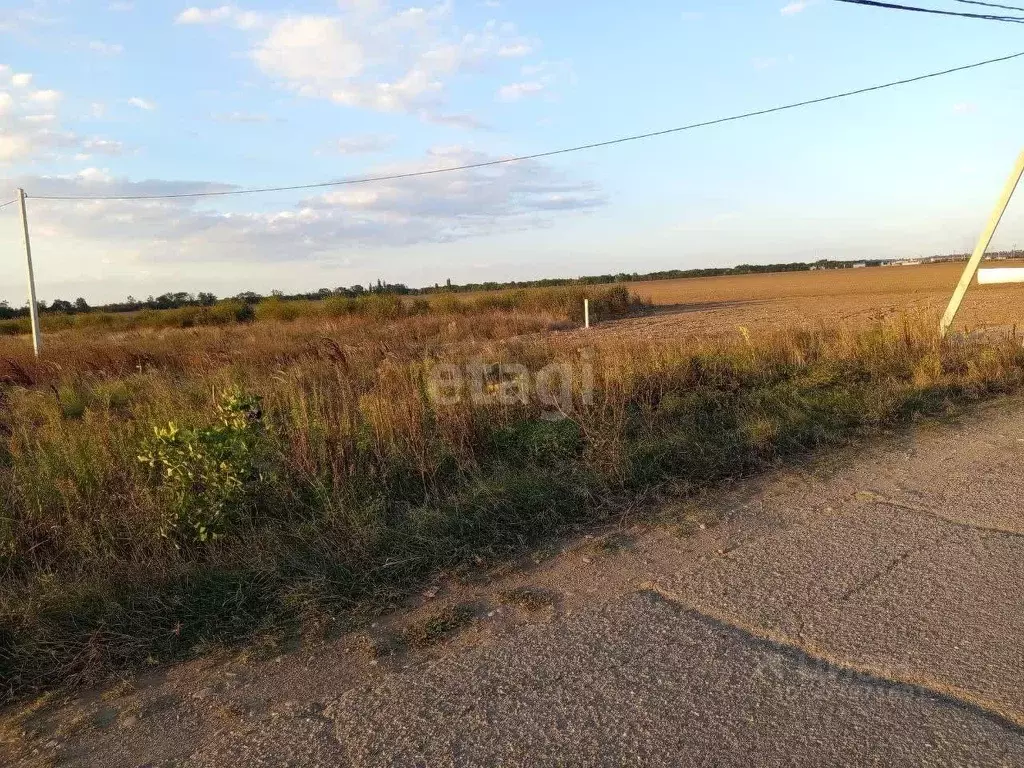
380, 647
528, 598
211, 475
439, 625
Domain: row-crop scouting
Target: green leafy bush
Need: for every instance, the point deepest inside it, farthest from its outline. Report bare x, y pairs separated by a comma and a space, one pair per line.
209, 475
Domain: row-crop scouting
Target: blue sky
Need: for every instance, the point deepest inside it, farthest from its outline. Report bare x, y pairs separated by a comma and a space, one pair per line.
154, 97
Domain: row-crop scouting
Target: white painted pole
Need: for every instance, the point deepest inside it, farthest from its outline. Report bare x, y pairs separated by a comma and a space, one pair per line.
586, 313
982, 246
33, 307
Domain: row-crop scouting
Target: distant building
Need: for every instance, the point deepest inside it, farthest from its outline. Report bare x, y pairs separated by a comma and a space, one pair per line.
858, 265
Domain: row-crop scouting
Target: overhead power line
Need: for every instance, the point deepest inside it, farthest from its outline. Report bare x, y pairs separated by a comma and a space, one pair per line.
894, 6
539, 155
9, 202
992, 5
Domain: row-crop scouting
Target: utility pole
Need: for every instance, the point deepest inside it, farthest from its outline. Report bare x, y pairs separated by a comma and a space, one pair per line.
33, 307
979, 250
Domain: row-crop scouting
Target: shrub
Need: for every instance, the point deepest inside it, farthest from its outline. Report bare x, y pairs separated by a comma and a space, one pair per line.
16, 327
339, 306
276, 309
538, 442
209, 475
381, 306
230, 311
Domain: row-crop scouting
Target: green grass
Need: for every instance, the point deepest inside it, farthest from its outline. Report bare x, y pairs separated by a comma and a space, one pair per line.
348, 486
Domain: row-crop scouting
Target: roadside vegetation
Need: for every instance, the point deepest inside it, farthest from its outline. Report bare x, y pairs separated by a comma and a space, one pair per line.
566, 302
166, 492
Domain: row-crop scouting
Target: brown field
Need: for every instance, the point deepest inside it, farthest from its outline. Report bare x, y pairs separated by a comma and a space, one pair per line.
758, 302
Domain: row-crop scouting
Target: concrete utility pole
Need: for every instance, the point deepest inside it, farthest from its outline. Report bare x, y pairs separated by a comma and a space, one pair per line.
33, 307
982, 246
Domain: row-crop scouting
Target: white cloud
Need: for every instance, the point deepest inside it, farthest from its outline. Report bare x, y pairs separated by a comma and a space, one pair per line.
21, 80
143, 104
312, 52
359, 145
121, 6
240, 117
462, 121
369, 55
20, 20
106, 49
13, 147
516, 91
515, 50
46, 97
103, 147
965, 108
438, 208
795, 7
30, 125
224, 14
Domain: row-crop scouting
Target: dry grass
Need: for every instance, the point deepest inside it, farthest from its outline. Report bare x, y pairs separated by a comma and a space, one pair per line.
849, 296
351, 484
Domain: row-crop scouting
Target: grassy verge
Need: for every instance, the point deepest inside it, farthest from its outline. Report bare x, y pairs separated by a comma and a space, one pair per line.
291, 482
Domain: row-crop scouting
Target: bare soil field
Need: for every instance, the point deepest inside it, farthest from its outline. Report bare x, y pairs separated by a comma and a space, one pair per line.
857, 296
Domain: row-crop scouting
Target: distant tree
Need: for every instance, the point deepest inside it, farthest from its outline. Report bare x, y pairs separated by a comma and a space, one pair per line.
81, 305
277, 294
206, 299
357, 289
59, 305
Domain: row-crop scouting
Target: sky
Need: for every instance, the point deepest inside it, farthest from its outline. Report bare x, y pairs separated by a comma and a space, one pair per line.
113, 97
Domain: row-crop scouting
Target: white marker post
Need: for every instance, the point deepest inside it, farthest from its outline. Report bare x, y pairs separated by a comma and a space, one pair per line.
982, 246
1000, 275
33, 307
586, 313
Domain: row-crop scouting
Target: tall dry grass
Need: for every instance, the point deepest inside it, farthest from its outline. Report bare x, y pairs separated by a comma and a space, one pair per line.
352, 480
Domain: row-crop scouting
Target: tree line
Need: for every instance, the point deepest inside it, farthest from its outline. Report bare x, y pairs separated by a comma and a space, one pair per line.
178, 299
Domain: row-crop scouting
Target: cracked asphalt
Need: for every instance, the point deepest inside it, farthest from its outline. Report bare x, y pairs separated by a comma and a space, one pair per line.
866, 609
